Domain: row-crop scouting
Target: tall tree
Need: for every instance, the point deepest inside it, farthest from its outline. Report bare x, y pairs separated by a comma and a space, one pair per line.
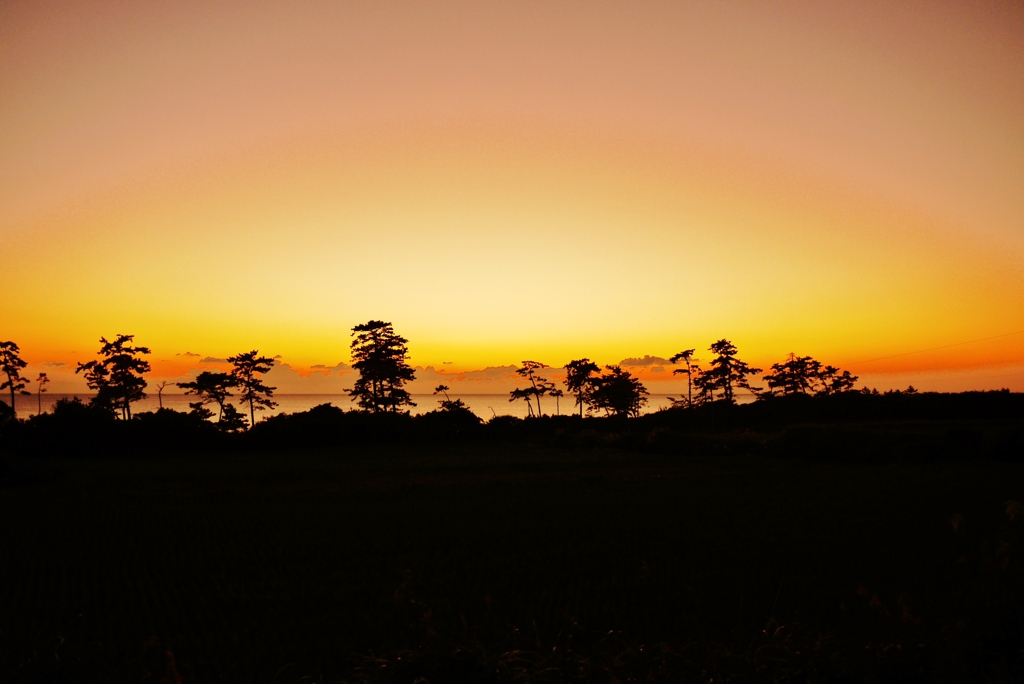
117, 376
11, 365
247, 369
380, 356
538, 385
579, 376
557, 394
726, 372
618, 393
42, 381
691, 366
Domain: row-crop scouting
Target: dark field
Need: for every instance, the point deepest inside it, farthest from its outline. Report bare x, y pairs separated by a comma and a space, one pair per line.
482, 562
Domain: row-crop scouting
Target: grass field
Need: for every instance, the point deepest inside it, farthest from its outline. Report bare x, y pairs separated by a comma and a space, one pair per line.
509, 563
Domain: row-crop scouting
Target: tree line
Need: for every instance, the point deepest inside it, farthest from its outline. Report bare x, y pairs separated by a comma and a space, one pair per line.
380, 355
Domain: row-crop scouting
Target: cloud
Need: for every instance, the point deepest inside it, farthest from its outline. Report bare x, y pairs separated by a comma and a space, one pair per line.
53, 364
338, 369
647, 360
317, 379
657, 369
490, 380
187, 354
212, 359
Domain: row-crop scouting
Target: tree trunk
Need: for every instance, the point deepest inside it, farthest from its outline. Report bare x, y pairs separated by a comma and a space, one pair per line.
689, 387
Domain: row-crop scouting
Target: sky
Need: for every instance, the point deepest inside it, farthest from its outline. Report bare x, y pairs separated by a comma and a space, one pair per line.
517, 180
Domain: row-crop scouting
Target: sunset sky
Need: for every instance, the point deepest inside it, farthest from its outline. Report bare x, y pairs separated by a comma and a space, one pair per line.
517, 180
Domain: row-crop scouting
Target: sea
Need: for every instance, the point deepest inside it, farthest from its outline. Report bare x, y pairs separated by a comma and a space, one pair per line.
484, 405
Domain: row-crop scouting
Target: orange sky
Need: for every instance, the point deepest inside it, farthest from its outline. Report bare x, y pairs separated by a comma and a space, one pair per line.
506, 181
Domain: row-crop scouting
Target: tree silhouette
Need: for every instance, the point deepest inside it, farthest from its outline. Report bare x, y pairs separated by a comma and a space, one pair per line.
42, 381
160, 392
618, 393
11, 365
449, 404
538, 385
691, 367
557, 394
247, 369
805, 375
231, 420
726, 373
117, 377
579, 375
380, 357
795, 375
835, 382
518, 394
214, 388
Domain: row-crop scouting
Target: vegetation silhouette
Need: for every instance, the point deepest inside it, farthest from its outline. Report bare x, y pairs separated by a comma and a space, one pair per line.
525, 394
41, 383
835, 382
11, 365
726, 372
448, 404
538, 385
246, 370
557, 394
617, 393
215, 388
806, 375
380, 355
451, 419
160, 392
802, 390
624, 546
117, 376
550, 549
692, 367
579, 376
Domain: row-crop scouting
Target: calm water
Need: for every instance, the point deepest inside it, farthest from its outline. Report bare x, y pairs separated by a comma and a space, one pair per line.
484, 405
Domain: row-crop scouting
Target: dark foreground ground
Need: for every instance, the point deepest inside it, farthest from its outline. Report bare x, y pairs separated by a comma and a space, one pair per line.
493, 562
